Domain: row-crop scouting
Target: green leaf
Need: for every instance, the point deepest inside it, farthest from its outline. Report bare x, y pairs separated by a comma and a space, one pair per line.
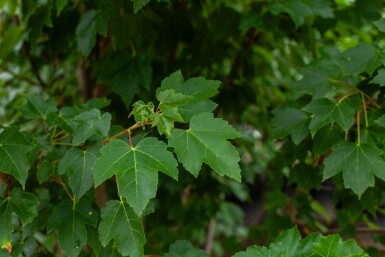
359, 164
380, 24
37, 108
14, 147
333, 246
361, 58
287, 243
254, 251
70, 222
290, 121
327, 111
89, 26
169, 99
60, 4
295, 8
91, 123
165, 120
21, 203
381, 121
141, 111
379, 78
183, 248
315, 82
325, 138
321, 8
120, 223
136, 168
126, 74
205, 141
139, 4
190, 96
77, 164
9, 40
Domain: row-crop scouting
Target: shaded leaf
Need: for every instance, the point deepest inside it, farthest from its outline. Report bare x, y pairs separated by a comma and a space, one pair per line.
379, 78
139, 4
89, 26
121, 224
380, 24
297, 10
136, 168
290, 121
205, 141
315, 81
183, 248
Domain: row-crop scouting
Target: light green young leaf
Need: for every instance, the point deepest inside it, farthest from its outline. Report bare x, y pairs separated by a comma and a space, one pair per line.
183, 248
362, 58
165, 120
70, 222
120, 223
14, 147
141, 111
89, 26
77, 164
359, 164
91, 123
136, 168
291, 121
21, 203
327, 111
37, 108
205, 141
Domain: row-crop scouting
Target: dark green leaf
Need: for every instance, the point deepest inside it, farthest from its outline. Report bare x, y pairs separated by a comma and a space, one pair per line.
361, 58
21, 203
380, 24
136, 168
325, 138
77, 164
37, 107
297, 10
14, 147
91, 123
315, 82
182, 248
205, 141
327, 111
379, 78
70, 222
359, 164
290, 121
120, 223
90, 25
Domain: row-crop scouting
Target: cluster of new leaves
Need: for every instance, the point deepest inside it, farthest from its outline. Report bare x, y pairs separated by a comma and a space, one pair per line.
344, 116
90, 157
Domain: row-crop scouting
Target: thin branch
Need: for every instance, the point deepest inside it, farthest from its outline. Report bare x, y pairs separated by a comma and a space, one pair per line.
210, 236
35, 69
126, 131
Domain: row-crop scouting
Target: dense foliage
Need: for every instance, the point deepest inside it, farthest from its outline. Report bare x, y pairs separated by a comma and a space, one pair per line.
192, 128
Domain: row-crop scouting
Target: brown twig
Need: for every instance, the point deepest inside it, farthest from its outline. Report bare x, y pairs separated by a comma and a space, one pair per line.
210, 236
